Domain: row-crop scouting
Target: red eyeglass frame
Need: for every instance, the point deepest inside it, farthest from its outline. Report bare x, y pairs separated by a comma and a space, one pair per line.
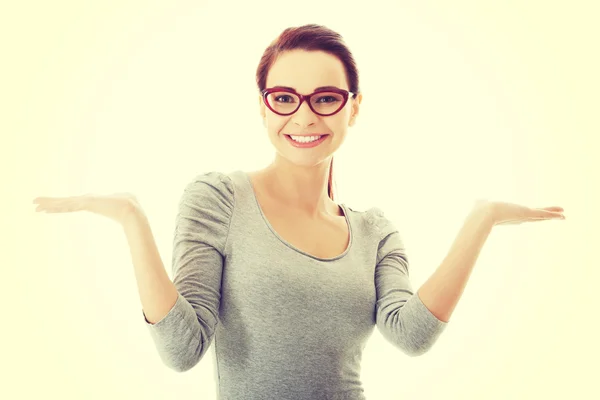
345, 94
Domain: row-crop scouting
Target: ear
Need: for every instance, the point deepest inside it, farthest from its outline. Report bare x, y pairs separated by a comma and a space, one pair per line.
262, 110
355, 109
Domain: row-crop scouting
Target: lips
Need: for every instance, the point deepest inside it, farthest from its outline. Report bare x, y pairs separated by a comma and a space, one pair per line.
306, 134
309, 144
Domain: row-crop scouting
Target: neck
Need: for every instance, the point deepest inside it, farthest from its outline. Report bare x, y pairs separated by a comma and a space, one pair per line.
301, 187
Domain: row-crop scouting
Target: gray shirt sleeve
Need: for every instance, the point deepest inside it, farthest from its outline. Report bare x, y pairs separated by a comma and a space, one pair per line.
401, 316
184, 335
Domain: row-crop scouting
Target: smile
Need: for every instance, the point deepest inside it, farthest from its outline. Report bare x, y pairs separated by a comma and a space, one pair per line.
306, 141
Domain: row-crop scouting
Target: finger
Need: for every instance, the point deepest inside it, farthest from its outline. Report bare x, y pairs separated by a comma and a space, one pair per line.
511, 222
50, 209
55, 206
56, 200
39, 200
555, 209
521, 221
542, 214
51, 202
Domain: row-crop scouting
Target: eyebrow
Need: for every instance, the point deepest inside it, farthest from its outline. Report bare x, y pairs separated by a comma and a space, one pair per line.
319, 88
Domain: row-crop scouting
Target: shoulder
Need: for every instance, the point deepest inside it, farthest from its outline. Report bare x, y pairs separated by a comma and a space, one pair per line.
205, 210
381, 232
375, 220
210, 189
215, 179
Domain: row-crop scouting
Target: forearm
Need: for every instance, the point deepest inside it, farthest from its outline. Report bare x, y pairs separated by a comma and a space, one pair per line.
444, 288
157, 292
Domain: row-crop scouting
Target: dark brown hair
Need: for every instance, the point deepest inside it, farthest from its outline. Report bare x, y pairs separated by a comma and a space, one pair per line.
311, 37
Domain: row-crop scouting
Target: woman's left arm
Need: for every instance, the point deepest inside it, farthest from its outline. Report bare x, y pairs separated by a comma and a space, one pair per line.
442, 291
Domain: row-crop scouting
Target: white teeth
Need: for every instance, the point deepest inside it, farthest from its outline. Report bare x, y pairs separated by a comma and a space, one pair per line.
305, 139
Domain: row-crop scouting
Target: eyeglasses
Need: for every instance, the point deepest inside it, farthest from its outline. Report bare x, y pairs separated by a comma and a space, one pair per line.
324, 102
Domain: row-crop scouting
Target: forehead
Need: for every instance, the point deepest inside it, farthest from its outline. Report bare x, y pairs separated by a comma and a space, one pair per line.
307, 70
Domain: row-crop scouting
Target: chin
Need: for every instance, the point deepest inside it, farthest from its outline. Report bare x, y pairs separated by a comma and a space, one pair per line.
307, 162
300, 157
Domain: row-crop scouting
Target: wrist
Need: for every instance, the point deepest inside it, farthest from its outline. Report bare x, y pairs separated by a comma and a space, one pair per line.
486, 210
132, 214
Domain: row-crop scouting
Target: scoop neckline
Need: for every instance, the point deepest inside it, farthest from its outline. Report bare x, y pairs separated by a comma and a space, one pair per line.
288, 244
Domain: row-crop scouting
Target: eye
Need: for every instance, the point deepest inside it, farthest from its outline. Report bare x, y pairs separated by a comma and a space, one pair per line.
284, 98
327, 99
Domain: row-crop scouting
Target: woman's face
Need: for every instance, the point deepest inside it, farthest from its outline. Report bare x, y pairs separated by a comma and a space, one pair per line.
304, 71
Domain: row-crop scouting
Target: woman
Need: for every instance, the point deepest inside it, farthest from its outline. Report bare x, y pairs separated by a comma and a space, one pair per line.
288, 283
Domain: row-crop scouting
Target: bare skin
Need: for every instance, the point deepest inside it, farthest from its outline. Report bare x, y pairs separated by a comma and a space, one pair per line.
292, 192
440, 293
297, 176
323, 235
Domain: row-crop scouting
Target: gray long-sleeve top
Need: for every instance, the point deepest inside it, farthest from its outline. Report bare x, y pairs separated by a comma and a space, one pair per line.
285, 324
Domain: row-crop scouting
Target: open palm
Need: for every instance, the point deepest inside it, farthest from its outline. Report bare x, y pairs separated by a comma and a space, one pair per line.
510, 214
115, 206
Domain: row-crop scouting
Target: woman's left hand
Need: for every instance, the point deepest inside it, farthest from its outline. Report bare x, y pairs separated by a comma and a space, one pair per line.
510, 214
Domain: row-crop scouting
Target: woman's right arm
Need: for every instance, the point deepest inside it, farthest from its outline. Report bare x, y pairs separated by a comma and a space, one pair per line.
157, 292
182, 315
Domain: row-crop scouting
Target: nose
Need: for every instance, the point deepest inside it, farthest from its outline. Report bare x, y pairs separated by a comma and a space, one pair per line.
304, 116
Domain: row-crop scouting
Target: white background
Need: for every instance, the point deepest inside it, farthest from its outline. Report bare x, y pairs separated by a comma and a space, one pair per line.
461, 101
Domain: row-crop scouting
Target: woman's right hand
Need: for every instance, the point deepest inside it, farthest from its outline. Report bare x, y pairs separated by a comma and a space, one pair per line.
117, 206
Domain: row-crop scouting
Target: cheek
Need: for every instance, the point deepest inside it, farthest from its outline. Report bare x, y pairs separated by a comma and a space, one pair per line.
338, 124
275, 124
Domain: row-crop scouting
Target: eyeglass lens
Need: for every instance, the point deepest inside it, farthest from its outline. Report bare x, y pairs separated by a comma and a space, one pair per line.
322, 102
